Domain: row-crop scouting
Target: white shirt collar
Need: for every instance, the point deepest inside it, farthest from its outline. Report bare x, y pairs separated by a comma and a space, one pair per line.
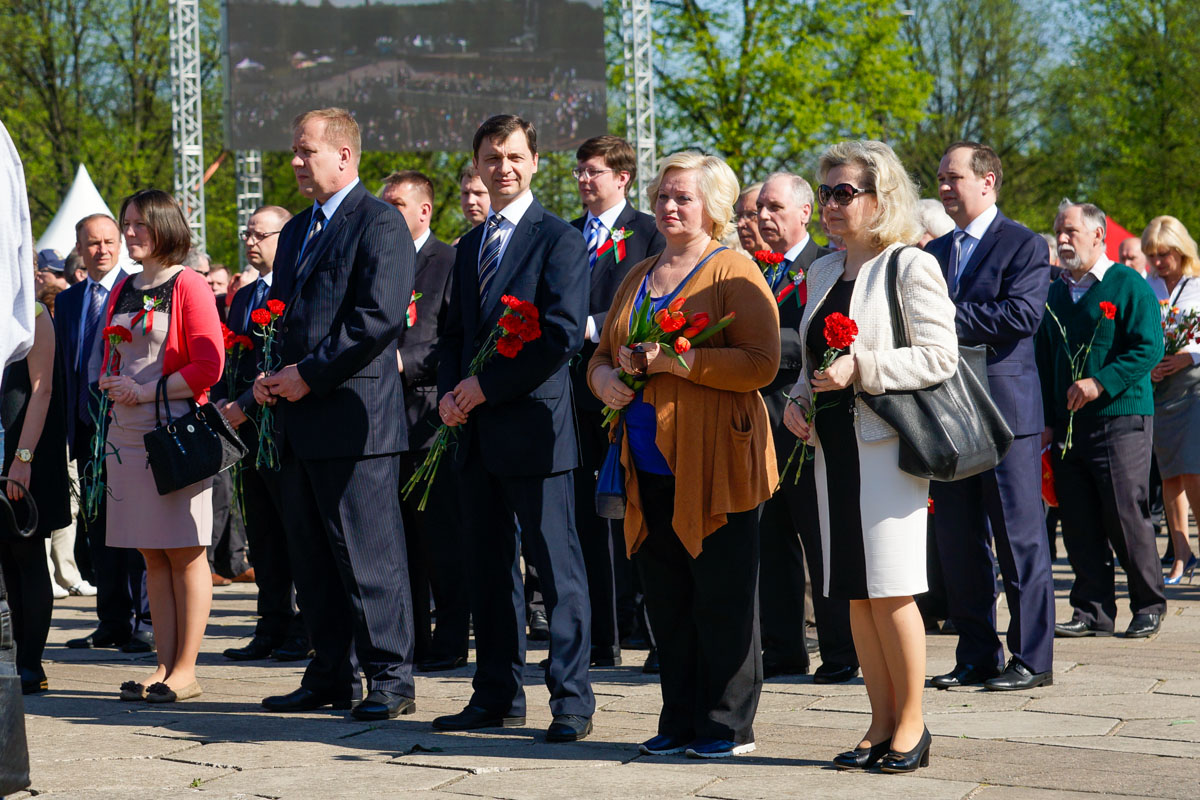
794, 251
330, 206
107, 281
268, 278
514, 211
977, 227
420, 241
608, 218
1097, 271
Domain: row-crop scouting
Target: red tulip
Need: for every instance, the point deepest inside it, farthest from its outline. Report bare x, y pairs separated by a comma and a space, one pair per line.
676, 304
682, 345
698, 320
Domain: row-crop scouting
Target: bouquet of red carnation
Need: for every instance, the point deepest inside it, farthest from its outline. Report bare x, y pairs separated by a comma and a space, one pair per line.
672, 323
268, 362
767, 260
840, 332
92, 480
1077, 360
236, 347
516, 326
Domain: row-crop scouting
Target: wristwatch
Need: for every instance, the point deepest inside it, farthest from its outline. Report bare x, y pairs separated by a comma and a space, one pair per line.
24, 455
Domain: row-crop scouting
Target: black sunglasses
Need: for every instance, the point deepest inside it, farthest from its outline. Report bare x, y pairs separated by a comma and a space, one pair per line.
842, 194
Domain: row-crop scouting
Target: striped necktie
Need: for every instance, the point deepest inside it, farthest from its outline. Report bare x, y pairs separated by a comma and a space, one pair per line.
256, 301
314, 230
489, 261
593, 240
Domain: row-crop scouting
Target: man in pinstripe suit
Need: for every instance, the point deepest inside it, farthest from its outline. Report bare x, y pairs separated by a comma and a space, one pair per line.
517, 446
345, 270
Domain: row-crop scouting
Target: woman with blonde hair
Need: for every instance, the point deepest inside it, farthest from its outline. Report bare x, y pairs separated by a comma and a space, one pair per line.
1171, 252
698, 458
872, 515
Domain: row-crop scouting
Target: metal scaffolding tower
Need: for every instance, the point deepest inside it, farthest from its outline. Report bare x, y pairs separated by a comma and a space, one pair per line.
248, 168
639, 92
187, 118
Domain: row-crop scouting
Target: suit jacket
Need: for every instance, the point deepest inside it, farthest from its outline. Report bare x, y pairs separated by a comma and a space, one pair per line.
791, 354
606, 276
527, 425
1000, 301
346, 300
418, 344
68, 310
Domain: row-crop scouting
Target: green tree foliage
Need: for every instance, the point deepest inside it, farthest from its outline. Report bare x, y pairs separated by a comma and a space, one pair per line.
768, 83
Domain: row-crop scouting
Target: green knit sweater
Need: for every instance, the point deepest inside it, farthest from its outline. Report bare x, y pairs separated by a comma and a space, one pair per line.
1123, 353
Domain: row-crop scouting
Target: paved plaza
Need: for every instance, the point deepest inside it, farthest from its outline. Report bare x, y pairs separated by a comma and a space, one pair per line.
1122, 719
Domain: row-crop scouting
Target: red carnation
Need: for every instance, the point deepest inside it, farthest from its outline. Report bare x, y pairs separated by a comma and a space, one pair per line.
509, 345
244, 341
276, 307
527, 310
511, 302
511, 323
762, 255
840, 331
120, 332
1108, 310
682, 345
529, 330
260, 316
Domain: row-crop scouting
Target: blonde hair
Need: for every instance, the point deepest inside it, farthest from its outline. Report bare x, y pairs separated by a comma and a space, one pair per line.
340, 128
895, 191
1168, 233
718, 186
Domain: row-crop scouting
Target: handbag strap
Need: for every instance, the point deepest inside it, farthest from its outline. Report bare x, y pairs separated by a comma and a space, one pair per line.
160, 395
895, 310
10, 516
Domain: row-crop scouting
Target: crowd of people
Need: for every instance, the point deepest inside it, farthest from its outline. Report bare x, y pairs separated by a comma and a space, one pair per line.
686, 351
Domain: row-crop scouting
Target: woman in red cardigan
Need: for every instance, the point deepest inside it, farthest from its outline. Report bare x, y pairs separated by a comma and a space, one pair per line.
171, 315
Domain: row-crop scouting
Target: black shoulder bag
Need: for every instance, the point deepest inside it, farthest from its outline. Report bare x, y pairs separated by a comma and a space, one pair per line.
14, 751
949, 431
187, 450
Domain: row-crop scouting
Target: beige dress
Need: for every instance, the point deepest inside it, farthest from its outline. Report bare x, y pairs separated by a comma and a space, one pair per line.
138, 516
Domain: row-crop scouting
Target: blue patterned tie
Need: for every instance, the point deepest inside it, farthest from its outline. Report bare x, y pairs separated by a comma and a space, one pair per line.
593, 240
955, 263
314, 230
260, 297
91, 327
489, 261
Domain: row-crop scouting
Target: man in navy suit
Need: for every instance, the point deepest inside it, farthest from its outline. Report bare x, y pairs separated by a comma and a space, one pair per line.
516, 447
344, 269
121, 602
617, 237
997, 272
279, 631
433, 536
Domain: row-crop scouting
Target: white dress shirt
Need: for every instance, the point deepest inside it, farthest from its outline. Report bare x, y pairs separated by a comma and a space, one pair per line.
510, 216
607, 219
109, 279
975, 230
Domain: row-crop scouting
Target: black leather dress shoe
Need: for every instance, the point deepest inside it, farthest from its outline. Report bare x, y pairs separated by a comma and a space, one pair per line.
539, 627
256, 649
964, 675
293, 650
1143, 625
1017, 676
380, 704
139, 642
606, 657
774, 667
441, 664
473, 718
32, 682
1077, 628
303, 700
651, 665
835, 673
568, 728
97, 638
638, 641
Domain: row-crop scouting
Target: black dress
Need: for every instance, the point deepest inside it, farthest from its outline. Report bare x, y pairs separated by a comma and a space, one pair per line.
834, 425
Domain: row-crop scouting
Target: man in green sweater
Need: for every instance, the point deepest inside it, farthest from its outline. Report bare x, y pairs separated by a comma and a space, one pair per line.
1099, 408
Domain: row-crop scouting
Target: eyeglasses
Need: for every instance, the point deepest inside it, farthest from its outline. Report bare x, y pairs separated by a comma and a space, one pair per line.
841, 194
743, 216
251, 236
587, 173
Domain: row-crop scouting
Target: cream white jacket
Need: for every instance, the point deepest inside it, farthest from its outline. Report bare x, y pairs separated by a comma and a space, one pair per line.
932, 354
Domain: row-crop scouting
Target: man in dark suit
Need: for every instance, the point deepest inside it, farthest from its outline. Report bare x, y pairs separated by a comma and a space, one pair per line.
345, 272
121, 602
279, 632
517, 446
788, 531
433, 536
997, 273
617, 237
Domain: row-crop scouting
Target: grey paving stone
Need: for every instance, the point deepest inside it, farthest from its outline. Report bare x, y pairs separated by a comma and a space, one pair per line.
1025, 793
1123, 744
635, 781
1182, 729
1124, 706
118, 778
354, 779
832, 783
1188, 687
1004, 724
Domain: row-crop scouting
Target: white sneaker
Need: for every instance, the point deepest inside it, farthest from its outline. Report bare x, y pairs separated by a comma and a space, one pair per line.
83, 589
59, 592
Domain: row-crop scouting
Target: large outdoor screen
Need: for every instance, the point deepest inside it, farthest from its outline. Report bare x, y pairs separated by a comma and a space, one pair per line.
417, 74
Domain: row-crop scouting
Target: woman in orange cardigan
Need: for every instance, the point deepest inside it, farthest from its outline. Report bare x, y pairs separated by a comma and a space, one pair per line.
699, 460
176, 336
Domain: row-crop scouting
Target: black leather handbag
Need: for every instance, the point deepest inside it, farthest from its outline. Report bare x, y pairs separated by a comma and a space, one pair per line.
14, 750
949, 431
187, 450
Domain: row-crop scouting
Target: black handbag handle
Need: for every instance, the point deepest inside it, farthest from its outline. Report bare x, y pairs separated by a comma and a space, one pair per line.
899, 326
160, 394
10, 516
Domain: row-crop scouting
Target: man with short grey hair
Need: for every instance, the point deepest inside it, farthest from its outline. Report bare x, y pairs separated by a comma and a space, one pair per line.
745, 217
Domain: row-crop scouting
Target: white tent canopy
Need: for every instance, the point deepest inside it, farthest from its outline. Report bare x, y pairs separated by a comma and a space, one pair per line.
81, 200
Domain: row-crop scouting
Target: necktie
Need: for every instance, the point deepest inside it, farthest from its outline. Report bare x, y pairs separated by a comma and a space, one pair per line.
955, 263
314, 230
91, 327
780, 271
490, 259
256, 301
593, 240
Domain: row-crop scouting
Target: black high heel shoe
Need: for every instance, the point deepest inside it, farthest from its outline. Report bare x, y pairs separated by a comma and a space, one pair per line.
862, 757
910, 761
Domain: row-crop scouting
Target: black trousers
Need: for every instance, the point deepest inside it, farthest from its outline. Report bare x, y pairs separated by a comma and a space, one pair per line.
346, 544
704, 612
436, 565
789, 535
120, 573
227, 554
595, 537
266, 535
27, 578
1104, 497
